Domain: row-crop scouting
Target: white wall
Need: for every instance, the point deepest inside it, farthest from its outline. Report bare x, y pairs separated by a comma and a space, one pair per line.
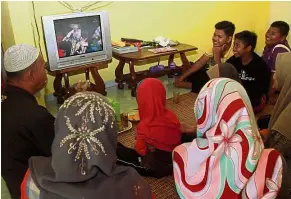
281, 11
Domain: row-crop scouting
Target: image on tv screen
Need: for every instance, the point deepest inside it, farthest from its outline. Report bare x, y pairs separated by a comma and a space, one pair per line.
76, 36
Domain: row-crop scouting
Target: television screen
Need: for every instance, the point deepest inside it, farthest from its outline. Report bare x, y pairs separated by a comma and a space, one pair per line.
77, 36
77, 39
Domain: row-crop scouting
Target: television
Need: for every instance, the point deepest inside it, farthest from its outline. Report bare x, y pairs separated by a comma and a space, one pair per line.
77, 39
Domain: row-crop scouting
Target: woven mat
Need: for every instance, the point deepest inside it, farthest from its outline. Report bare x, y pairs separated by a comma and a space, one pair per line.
164, 188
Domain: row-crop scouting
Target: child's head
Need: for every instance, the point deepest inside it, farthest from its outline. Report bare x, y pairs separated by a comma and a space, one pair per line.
151, 97
277, 33
244, 42
224, 31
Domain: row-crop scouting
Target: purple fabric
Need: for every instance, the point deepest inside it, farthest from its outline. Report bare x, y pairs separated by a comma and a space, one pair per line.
270, 57
157, 68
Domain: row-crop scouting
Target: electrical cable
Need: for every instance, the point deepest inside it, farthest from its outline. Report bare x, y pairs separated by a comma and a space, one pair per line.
36, 25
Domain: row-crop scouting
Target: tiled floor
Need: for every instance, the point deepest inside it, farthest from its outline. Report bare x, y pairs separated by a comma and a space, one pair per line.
127, 103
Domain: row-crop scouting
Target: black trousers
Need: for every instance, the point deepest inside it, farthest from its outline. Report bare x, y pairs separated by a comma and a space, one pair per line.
263, 121
155, 164
198, 80
187, 137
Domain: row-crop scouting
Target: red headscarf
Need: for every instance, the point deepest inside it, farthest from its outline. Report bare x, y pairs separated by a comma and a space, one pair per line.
158, 126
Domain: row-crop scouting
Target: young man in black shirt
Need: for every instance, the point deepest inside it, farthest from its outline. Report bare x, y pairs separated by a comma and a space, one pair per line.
252, 69
27, 128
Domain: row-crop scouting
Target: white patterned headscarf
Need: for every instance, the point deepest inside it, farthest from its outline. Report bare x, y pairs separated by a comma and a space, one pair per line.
227, 159
227, 148
83, 163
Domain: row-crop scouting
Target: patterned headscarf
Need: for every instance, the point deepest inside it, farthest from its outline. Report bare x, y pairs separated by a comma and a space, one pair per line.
83, 163
226, 153
282, 111
223, 70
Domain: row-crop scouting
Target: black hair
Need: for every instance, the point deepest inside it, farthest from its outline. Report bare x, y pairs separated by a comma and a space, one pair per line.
248, 38
226, 26
282, 26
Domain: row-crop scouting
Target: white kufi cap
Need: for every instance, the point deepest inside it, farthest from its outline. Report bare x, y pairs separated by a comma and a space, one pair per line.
20, 57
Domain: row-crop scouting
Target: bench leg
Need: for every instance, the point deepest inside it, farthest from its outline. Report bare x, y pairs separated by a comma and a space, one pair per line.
58, 88
87, 76
58, 84
67, 85
119, 74
133, 82
170, 60
100, 86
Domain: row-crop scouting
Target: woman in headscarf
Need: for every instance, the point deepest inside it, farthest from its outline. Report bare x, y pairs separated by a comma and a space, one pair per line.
158, 132
158, 127
202, 77
83, 162
279, 136
223, 70
227, 159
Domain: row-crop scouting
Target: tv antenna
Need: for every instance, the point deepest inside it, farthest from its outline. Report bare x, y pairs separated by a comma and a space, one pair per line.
81, 9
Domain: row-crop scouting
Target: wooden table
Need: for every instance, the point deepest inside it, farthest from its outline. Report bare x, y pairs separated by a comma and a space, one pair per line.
63, 92
133, 58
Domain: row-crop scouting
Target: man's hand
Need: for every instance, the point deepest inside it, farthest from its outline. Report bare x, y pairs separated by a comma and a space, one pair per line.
217, 50
218, 53
195, 67
179, 80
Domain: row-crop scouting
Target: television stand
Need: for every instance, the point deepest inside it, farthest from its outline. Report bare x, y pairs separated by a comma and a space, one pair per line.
63, 92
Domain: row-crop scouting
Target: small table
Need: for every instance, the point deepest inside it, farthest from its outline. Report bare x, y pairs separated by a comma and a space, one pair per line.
63, 92
142, 55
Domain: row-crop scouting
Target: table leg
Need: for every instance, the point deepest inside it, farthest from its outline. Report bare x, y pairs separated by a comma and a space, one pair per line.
119, 74
170, 60
87, 71
58, 84
67, 84
185, 61
59, 94
133, 79
100, 86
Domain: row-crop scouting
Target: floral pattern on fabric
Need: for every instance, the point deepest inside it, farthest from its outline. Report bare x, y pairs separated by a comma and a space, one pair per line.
224, 158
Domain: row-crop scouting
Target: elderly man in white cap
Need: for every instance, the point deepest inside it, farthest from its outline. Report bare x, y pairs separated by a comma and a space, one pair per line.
27, 128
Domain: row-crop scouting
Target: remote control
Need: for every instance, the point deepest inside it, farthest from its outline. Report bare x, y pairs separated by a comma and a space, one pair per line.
130, 40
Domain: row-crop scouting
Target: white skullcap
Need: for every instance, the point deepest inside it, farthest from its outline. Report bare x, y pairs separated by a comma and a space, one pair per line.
20, 57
